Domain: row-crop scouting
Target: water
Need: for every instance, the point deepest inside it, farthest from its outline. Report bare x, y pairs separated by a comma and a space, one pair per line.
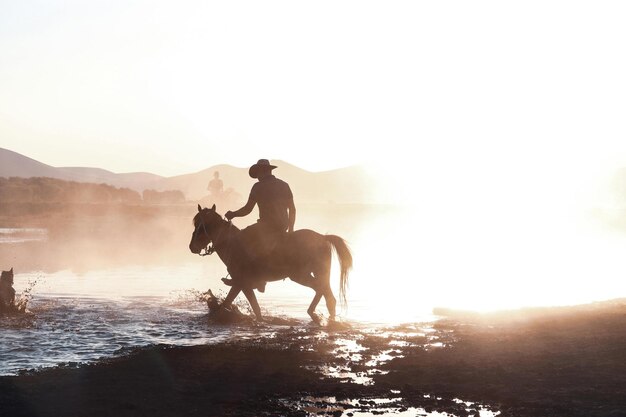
99, 298
76, 319
70, 330
369, 407
82, 317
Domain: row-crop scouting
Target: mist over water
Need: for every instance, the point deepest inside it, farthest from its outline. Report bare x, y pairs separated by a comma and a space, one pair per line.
491, 226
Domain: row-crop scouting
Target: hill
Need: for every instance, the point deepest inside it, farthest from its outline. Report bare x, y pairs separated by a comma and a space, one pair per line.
13, 164
344, 185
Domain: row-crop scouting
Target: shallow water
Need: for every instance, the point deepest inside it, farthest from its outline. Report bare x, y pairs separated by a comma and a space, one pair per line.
369, 407
98, 299
76, 318
69, 330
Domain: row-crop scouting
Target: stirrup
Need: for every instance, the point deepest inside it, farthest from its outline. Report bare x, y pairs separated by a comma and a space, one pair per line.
227, 281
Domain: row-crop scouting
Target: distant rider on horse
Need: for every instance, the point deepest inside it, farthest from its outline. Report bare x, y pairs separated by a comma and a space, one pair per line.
277, 214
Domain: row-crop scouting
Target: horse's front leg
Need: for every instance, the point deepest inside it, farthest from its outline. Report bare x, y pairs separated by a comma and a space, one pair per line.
249, 293
232, 294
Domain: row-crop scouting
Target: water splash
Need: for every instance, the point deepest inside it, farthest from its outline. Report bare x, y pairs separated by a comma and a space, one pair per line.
21, 303
27, 294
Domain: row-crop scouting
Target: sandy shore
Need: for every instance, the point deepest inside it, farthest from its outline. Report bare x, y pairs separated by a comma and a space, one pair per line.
547, 362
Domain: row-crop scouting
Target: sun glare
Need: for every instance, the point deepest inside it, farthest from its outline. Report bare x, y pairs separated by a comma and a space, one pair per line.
485, 239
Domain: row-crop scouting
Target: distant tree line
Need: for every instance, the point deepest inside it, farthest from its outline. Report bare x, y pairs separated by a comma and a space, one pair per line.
50, 190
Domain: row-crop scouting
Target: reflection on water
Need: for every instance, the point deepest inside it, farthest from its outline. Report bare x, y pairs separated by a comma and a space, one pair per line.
357, 357
369, 407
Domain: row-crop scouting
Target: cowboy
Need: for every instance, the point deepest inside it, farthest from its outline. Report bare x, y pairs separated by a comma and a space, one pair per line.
216, 185
277, 213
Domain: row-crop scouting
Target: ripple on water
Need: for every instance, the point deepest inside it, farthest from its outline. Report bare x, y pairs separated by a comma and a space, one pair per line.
64, 329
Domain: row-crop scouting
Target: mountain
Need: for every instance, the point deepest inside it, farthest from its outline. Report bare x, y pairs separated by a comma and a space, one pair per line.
344, 185
13, 164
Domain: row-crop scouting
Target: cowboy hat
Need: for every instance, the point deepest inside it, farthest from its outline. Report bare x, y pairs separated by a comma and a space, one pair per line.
262, 164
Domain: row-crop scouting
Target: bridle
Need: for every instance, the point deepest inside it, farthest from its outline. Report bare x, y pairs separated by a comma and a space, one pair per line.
209, 249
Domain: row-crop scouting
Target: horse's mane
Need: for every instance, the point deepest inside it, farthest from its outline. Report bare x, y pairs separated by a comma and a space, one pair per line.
197, 217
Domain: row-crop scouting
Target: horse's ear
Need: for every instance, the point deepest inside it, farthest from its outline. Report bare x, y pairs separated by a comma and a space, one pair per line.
199, 207
11, 271
213, 208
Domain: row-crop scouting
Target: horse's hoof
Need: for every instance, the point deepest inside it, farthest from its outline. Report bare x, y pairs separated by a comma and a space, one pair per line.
316, 318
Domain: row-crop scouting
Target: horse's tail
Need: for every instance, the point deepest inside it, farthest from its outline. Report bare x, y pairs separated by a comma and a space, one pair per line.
345, 262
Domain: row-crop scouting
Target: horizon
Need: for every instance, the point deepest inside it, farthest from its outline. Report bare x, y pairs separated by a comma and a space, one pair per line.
181, 173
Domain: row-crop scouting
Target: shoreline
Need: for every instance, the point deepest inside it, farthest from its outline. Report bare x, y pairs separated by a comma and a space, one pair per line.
558, 362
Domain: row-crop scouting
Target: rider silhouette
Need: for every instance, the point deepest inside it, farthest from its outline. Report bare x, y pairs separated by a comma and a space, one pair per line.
277, 214
216, 185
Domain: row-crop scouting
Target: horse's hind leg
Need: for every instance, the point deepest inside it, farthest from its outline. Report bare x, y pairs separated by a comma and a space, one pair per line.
314, 303
305, 279
309, 280
331, 302
322, 275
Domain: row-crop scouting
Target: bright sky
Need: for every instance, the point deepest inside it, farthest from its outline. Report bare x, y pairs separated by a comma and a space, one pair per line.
174, 87
457, 101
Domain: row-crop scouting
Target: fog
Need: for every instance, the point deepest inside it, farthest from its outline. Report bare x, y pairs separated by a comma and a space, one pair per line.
506, 230
467, 241
86, 237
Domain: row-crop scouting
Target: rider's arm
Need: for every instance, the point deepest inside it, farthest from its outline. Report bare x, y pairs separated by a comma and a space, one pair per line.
244, 211
292, 215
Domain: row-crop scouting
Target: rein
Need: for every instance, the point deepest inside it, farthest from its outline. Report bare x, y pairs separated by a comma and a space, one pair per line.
210, 247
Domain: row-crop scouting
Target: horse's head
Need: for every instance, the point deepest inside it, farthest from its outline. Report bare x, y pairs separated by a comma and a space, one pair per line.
205, 223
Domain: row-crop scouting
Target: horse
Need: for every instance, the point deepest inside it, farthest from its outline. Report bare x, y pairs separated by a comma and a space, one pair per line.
303, 256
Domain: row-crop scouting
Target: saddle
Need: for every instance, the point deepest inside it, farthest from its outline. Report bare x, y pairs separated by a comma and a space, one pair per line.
257, 255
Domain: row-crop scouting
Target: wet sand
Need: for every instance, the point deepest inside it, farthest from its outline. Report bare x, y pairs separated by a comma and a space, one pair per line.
543, 362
